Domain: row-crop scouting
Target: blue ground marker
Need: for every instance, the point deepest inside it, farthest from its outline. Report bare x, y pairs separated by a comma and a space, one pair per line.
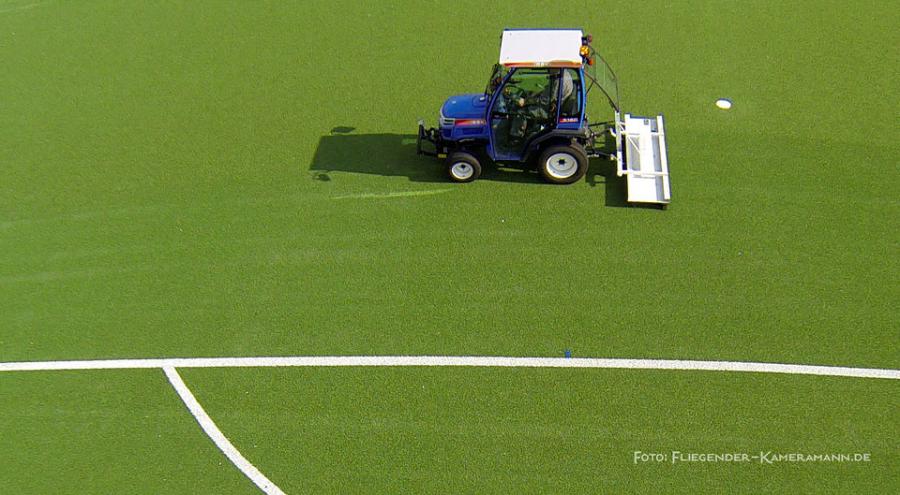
568, 353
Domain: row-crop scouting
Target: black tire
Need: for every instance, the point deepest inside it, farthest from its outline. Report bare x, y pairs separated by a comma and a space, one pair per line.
462, 166
563, 164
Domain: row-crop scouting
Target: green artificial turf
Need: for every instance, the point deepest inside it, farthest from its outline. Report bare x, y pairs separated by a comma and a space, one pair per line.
231, 178
172, 187
426, 430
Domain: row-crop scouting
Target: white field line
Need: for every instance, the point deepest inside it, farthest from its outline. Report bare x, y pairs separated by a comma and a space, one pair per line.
476, 361
21, 7
217, 436
389, 195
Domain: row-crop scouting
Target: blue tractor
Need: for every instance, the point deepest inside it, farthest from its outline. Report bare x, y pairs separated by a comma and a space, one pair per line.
532, 115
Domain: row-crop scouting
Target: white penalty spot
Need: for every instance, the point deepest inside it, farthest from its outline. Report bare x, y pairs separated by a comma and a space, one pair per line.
723, 103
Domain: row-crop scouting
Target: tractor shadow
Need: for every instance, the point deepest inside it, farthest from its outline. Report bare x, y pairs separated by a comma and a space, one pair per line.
376, 154
391, 155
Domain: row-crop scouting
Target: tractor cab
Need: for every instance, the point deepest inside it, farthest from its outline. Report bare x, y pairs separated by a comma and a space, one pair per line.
532, 102
532, 113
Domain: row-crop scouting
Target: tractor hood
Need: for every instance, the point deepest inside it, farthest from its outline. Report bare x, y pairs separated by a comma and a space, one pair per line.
467, 106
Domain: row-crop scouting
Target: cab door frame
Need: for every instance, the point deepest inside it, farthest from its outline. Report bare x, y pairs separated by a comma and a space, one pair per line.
521, 154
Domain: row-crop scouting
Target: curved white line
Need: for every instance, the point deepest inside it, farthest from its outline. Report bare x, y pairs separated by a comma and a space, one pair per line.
477, 361
218, 437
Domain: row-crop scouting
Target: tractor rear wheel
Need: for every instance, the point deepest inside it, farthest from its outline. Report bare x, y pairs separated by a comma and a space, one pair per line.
563, 164
462, 166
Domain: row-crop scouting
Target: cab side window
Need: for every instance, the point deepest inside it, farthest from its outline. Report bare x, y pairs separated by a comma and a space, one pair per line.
570, 94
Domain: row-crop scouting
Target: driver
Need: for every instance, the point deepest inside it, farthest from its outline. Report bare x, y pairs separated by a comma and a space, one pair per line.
568, 84
537, 107
514, 103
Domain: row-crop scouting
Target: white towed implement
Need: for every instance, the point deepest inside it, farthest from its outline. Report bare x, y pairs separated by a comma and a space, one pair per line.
641, 158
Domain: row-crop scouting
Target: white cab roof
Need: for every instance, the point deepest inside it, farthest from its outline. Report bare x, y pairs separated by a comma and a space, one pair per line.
541, 48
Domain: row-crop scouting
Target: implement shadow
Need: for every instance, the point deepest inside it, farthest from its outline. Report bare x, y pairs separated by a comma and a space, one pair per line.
391, 155
616, 191
604, 172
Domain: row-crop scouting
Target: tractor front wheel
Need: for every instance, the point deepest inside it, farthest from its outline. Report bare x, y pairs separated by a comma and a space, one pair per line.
563, 164
463, 167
